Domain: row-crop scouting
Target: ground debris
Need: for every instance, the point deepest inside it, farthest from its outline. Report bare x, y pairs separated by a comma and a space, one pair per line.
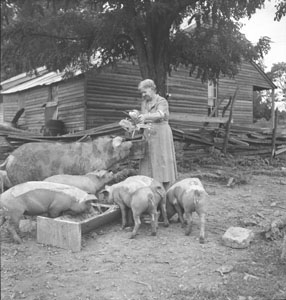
224, 269
273, 229
227, 178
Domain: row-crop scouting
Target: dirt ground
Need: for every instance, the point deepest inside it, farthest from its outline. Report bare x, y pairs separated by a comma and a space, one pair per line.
169, 265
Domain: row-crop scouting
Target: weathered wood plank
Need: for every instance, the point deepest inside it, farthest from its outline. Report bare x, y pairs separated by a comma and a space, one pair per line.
60, 233
196, 118
108, 216
67, 234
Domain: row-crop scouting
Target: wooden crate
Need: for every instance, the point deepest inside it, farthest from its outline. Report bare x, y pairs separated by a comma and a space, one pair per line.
67, 234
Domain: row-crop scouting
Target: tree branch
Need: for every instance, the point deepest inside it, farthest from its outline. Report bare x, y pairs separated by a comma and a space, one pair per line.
59, 37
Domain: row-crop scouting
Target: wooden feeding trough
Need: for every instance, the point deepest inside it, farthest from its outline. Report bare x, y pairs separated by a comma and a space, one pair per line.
67, 233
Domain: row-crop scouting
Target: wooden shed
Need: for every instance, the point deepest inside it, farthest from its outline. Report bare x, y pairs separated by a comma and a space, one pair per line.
99, 97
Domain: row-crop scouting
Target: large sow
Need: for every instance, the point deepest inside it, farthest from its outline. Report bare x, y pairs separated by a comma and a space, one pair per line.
37, 161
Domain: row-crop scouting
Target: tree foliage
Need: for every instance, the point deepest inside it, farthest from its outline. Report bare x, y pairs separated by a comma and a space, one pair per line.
74, 34
261, 107
278, 75
280, 10
263, 101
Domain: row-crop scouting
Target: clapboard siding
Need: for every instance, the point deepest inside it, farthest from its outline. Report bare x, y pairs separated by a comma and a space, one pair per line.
250, 76
71, 103
32, 100
34, 111
10, 107
111, 92
101, 97
188, 95
115, 90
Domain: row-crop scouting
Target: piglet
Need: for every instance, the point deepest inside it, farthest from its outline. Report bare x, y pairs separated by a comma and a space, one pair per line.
121, 194
188, 196
146, 200
38, 198
91, 182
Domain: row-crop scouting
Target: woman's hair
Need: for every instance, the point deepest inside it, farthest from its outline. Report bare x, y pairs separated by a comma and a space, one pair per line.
147, 83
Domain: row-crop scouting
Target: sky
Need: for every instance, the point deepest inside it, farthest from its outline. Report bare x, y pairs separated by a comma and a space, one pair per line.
262, 24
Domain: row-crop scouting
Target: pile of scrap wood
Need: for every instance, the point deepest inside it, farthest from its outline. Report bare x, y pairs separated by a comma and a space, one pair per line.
241, 141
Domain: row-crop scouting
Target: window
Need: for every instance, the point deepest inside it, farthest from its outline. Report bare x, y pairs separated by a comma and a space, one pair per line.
212, 96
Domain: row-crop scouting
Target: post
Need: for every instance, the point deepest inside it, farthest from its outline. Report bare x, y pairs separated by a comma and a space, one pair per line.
274, 131
229, 121
272, 109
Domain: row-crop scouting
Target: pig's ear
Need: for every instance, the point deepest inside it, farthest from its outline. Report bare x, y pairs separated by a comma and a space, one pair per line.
103, 192
117, 141
158, 187
103, 173
103, 195
90, 197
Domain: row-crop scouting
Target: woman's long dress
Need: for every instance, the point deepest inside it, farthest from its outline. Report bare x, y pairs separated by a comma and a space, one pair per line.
159, 161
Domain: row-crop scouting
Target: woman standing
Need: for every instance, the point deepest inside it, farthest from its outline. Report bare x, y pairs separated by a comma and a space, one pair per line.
159, 161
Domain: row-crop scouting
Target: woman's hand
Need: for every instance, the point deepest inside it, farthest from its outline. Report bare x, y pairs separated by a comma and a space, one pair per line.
134, 114
141, 118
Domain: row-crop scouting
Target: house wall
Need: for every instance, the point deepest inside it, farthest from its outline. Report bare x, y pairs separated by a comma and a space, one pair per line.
111, 92
71, 108
100, 98
248, 79
114, 90
70, 99
30, 100
189, 95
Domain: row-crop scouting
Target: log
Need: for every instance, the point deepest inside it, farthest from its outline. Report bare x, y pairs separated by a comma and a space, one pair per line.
196, 118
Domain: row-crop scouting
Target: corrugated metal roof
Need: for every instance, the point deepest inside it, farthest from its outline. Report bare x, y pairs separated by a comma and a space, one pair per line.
21, 78
22, 75
45, 79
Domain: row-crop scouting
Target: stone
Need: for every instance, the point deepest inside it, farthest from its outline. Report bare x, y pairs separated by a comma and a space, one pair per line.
237, 237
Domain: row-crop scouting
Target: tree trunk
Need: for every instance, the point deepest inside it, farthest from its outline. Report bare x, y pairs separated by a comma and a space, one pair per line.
152, 48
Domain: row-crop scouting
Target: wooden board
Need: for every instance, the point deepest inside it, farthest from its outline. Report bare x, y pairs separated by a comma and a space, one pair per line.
108, 216
60, 233
67, 234
197, 118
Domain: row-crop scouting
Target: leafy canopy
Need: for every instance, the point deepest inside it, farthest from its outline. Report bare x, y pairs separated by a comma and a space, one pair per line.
76, 34
278, 75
